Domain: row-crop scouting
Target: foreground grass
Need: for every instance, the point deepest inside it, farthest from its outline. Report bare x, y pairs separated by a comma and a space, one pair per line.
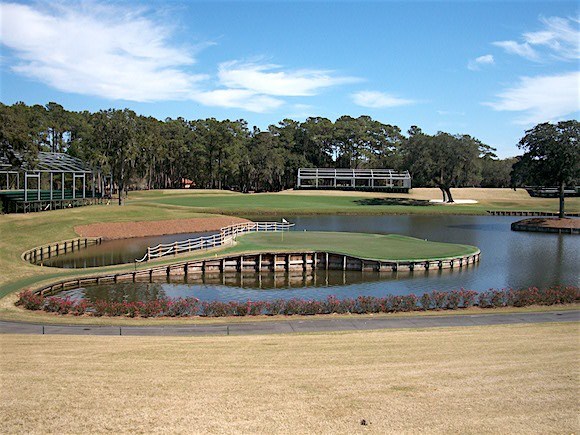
494, 379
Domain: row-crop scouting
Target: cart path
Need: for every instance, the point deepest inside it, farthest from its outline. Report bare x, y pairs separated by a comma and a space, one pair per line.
295, 325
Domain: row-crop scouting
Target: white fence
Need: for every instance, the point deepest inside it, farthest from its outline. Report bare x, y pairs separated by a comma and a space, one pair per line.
226, 236
353, 178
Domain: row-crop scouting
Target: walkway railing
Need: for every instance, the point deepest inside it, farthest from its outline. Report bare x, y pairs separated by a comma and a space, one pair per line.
226, 236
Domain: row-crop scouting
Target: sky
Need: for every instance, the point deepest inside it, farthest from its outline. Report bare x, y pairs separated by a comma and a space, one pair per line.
489, 69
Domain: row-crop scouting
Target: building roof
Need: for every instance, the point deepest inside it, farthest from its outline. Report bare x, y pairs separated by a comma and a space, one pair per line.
46, 162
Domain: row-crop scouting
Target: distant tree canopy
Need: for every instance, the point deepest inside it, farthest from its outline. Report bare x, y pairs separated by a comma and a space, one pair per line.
551, 157
143, 152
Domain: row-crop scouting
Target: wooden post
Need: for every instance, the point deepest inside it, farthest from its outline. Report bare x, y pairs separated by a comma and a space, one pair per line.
326, 261
259, 268
344, 262
314, 260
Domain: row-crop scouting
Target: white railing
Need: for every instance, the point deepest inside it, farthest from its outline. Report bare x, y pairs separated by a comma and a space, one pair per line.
226, 236
374, 178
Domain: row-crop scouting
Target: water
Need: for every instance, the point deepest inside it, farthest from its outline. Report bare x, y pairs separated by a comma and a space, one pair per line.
509, 259
115, 251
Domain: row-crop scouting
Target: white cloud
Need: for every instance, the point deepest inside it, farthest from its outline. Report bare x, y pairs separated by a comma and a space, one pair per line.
238, 98
270, 80
121, 53
559, 38
523, 50
376, 100
95, 50
542, 98
474, 65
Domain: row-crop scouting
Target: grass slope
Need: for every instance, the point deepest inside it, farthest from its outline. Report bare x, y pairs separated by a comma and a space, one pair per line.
19, 232
313, 202
370, 246
495, 379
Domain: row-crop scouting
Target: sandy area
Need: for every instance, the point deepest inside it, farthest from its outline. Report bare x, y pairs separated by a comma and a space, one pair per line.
456, 201
125, 230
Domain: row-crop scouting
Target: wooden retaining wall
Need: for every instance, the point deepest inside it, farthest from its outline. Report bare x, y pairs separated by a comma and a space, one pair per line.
517, 226
529, 213
40, 253
270, 262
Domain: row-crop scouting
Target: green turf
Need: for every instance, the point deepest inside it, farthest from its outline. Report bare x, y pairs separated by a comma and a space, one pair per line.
391, 247
276, 204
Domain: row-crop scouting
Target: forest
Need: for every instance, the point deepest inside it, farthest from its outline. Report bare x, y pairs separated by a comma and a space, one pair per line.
146, 153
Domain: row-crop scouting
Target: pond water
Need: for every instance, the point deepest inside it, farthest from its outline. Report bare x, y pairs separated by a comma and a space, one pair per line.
115, 251
509, 259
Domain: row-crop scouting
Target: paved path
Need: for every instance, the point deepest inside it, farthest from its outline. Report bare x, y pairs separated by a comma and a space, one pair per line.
320, 324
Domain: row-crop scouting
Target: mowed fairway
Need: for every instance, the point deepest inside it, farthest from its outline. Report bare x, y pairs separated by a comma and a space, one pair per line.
369, 246
337, 202
494, 379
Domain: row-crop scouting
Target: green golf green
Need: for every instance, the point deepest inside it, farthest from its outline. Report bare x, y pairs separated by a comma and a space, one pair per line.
391, 247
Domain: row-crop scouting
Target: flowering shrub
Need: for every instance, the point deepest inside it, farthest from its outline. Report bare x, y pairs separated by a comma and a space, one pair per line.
30, 300
181, 307
58, 305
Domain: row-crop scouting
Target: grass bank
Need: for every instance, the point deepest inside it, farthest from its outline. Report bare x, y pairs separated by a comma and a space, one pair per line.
19, 232
512, 378
369, 203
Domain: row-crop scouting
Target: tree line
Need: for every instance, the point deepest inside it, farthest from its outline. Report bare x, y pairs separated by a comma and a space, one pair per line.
144, 152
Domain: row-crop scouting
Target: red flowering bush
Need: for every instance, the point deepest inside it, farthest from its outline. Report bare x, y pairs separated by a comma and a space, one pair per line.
181, 307
30, 300
256, 308
58, 305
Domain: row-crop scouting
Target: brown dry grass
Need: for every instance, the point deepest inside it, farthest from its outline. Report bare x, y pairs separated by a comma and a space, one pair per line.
495, 379
125, 230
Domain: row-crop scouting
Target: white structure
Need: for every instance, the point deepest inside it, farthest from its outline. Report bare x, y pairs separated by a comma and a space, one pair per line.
374, 179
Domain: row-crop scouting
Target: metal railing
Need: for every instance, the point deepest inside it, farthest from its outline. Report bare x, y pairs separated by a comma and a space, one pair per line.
227, 235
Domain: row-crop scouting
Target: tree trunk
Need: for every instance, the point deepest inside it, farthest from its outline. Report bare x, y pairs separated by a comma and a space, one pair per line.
449, 197
443, 192
561, 214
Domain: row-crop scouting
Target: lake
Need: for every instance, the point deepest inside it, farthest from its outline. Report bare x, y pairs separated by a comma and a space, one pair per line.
509, 259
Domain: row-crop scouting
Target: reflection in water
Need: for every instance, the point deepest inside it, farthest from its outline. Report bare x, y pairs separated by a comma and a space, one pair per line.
509, 259
115, 251
245, 286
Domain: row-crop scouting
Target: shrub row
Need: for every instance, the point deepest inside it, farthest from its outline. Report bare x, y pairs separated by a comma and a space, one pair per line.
182, 307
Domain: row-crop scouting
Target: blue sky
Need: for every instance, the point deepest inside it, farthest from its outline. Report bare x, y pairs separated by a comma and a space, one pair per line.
488, 69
